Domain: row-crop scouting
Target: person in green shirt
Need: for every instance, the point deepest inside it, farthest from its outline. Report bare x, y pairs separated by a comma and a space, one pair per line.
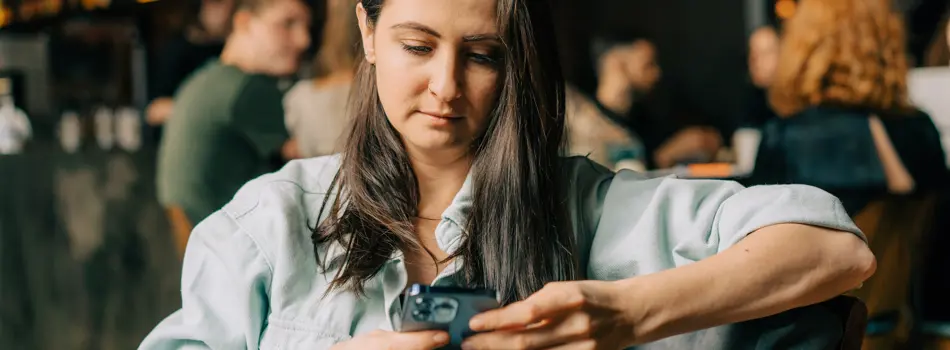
229, 117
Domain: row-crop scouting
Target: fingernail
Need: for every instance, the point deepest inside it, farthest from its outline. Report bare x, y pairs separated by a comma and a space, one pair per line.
441, 338
467, 345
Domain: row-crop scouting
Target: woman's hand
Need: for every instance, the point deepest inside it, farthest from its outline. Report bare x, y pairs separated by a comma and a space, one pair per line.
563, 315
385, 340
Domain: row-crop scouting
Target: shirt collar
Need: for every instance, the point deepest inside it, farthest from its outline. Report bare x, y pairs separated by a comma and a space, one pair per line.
449, 232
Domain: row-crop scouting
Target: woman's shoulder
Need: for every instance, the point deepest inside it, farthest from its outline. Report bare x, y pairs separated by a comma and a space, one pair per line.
272, 216
300, 90
299, 184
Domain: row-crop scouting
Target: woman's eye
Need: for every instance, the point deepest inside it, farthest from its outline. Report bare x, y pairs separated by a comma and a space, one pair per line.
416, 50
488, 60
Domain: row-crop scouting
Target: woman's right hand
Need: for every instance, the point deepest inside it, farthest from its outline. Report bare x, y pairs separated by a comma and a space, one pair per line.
385, 340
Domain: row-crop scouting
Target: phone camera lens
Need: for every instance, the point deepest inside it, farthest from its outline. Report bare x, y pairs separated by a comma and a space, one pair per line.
423, 303
421, 315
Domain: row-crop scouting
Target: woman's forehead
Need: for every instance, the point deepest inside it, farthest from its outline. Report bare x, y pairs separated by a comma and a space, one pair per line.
448, 18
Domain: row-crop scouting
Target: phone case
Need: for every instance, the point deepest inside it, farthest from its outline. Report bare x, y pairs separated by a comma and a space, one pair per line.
444, 308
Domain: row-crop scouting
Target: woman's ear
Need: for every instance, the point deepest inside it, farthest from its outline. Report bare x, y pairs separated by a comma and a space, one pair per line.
366, 32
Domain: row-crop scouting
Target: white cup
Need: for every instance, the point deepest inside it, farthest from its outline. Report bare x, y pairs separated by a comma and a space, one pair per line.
745, 142
70, 132
128, 129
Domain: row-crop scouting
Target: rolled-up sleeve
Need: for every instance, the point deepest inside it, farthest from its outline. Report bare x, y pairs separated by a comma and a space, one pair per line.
650, 225
225, 282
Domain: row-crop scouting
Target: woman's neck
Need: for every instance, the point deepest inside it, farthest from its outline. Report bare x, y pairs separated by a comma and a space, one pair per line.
440, 176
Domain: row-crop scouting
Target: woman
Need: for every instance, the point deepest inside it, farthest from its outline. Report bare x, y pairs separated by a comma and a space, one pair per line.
316, 109
847, 125
763, 57
451, 175
927, 87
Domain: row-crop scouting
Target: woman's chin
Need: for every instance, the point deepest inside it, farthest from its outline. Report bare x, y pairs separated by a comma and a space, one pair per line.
436, 145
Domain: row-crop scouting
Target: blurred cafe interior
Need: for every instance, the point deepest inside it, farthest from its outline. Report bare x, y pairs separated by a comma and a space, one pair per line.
90, 253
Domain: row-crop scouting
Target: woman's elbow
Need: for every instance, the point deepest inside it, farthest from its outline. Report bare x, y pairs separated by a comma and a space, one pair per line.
854, 258
867, 262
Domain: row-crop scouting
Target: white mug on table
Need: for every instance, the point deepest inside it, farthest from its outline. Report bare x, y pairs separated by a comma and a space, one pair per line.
745, 142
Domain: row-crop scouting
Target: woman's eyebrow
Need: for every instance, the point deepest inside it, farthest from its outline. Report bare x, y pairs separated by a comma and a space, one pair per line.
481, 37
419, 27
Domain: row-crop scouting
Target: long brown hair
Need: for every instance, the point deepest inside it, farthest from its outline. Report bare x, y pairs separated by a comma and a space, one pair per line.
849, 53
518, 236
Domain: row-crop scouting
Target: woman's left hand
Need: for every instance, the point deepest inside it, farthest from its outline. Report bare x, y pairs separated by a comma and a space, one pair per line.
562, 315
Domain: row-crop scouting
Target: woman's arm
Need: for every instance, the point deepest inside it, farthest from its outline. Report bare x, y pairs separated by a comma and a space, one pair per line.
776, 268
898, 178
224, 284
670, 256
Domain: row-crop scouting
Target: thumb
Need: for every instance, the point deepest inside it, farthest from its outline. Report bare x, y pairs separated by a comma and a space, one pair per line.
422, 340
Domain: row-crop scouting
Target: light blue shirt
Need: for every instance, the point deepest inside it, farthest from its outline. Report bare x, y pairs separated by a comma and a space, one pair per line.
250, 279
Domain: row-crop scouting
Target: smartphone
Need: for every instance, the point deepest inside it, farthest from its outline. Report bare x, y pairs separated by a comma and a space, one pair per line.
444, 308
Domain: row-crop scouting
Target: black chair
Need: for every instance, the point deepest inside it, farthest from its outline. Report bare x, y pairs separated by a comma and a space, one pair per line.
854, 314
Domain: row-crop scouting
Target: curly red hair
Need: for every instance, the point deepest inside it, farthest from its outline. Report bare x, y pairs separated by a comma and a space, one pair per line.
841, 52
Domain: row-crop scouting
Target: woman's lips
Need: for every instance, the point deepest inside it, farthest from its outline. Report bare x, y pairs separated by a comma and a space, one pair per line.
442, 115
442, 118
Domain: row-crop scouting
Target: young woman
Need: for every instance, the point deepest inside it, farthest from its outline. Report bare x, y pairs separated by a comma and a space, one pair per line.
317, 109
847, 126
451, 175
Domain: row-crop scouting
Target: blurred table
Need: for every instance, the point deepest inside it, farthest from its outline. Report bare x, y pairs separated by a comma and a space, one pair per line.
86, 260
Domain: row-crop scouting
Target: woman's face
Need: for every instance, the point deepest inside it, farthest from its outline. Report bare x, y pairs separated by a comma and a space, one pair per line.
280, 32
763, 56
438, 65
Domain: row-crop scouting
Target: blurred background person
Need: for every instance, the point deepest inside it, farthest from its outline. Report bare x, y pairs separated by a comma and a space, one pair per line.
938, 52
929, 87
846, 122
592, 133
847, 126
229, 120
317, 108
628, 74
201, 41
763, 57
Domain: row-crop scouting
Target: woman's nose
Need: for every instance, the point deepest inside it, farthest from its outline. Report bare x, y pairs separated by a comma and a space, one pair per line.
445, 83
